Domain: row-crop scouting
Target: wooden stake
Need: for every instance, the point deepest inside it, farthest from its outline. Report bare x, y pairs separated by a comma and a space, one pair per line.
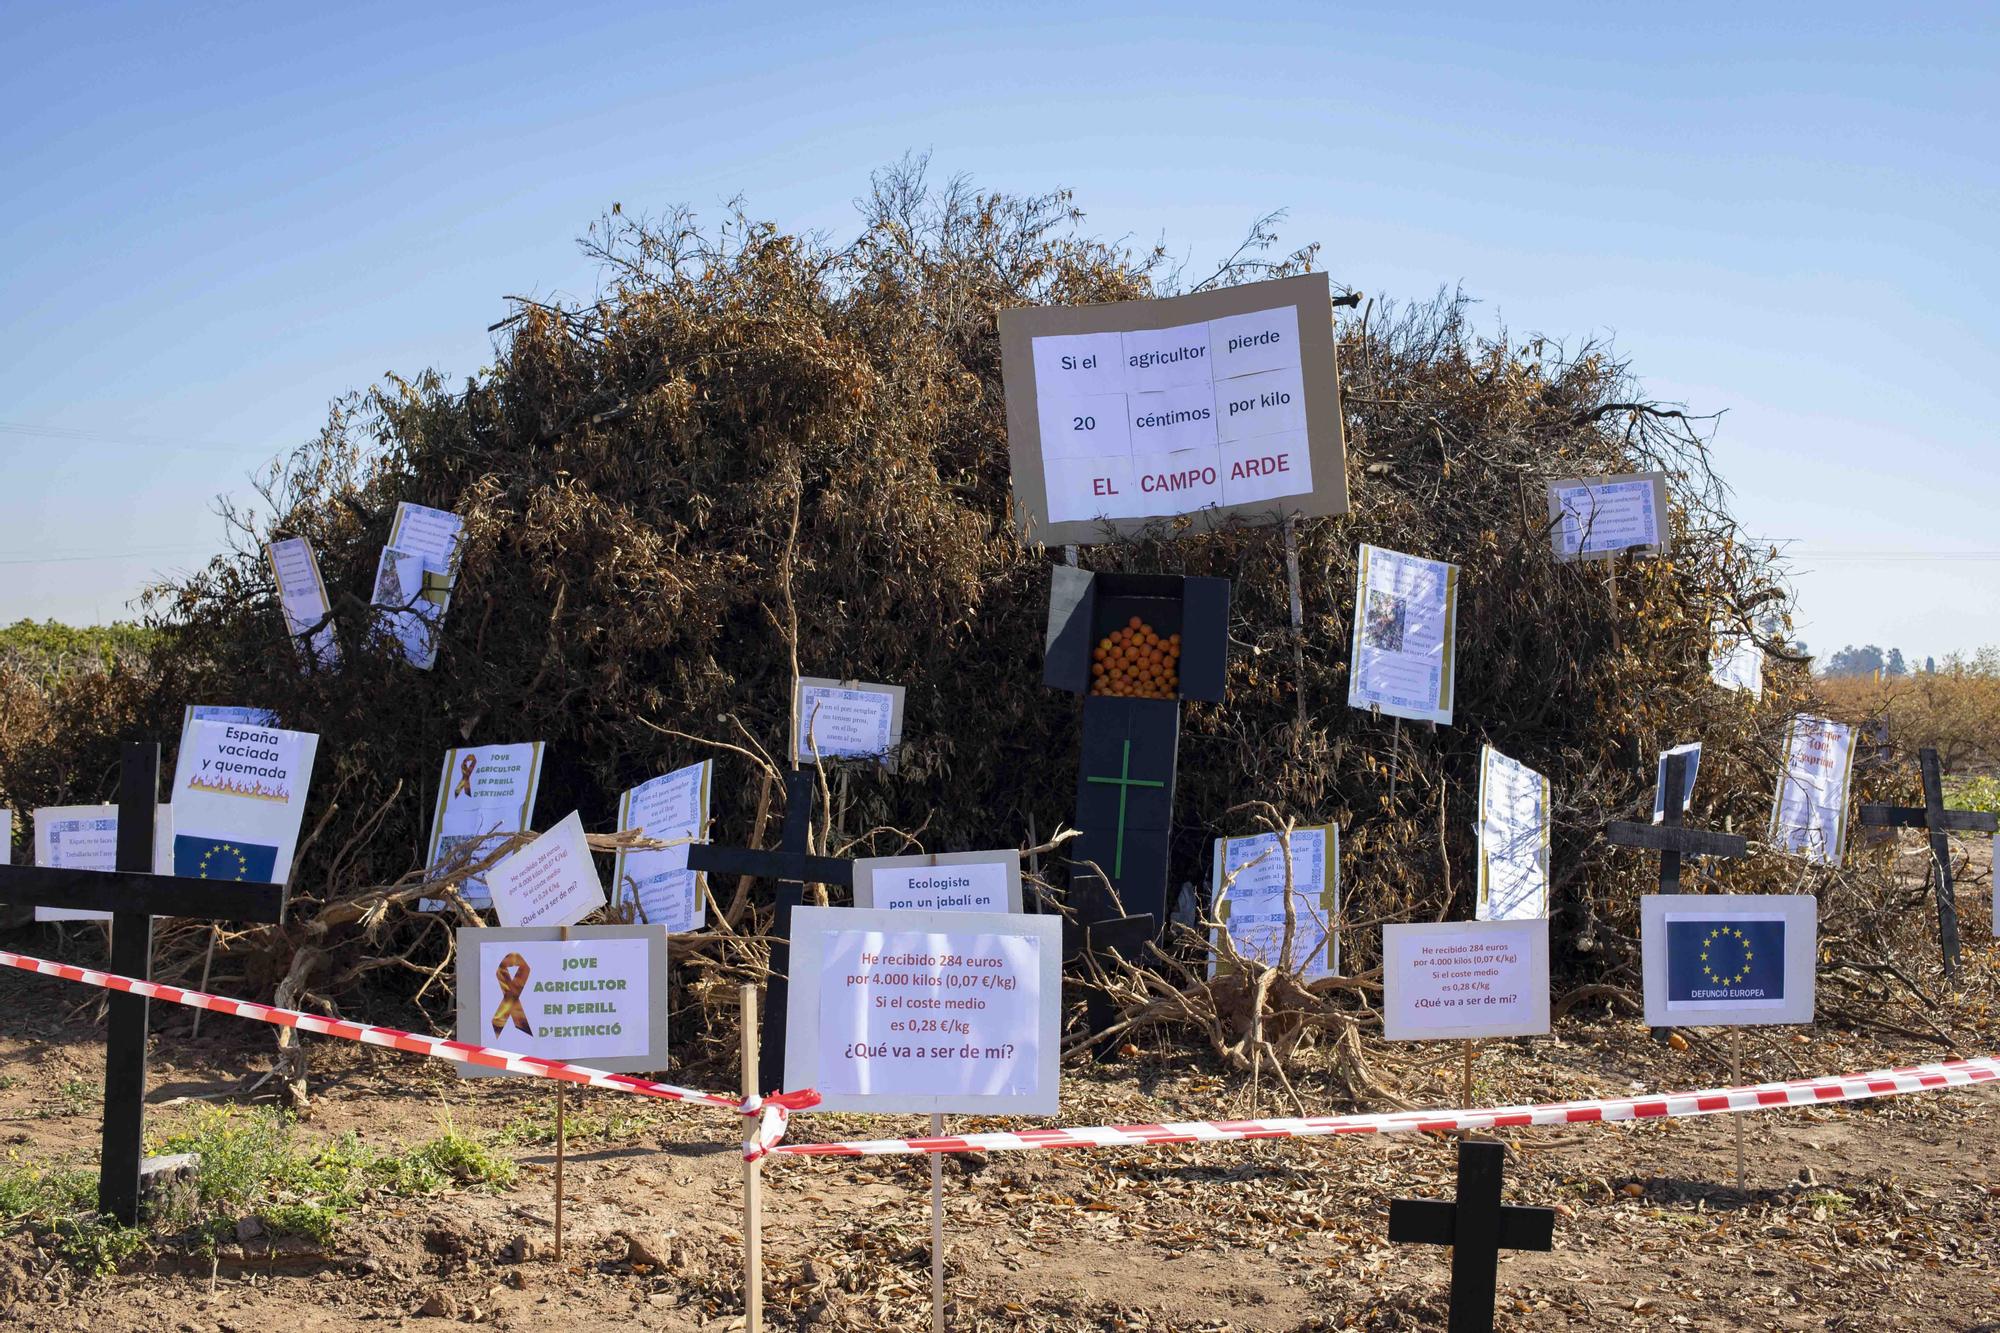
1298, 612
562, 1146
1395, 756
937, 1229
1465, 1077
753, 1178
1611, 586
1736, 1081
207, 962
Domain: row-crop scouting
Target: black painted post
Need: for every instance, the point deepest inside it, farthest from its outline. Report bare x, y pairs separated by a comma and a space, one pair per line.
799, 784
1477, 1226
1935, 819
1947, 895
131, 956
1671, 816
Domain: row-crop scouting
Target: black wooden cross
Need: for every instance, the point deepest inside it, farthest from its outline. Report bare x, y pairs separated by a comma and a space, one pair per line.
1672, 839
134, 896
1477, 1226
793, 867
1940, 822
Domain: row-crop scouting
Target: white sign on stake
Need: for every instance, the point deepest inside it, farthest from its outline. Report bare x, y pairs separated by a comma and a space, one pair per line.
485, 795
945, 882
1993, 868
1465, 979
1737, 663
937, 1012
415, 576
550, 882
598, 998
1810, 815
85, 837
1404, 609
1594, 518
1693, 752
6, 837
673, 805
1728, 960
302, 597
1513, 832
1252, 908
239, 799
847, 719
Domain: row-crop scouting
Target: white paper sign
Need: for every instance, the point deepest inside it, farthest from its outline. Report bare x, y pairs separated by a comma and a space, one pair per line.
849, 719
1465, 979
1594, 518
411, 591
1993, 876
1135, 425
1249, 897
597, 998
239, 799
1693, 752
944, 882
1728, 960
673, 805
486, 795
1810, 815
1404, 608
302, 597
550, 882
85, 837
6, 837
939, 1012
1513, 832
1737, 664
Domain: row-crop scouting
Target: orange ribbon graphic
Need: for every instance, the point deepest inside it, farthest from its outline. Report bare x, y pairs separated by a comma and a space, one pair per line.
464, 787
512, 974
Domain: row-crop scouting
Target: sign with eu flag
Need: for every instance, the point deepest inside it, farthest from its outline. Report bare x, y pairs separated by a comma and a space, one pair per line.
224, 858
1728, 960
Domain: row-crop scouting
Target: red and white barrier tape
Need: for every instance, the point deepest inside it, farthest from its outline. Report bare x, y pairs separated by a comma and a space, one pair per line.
771, 1113
1713, 1101
437, 1048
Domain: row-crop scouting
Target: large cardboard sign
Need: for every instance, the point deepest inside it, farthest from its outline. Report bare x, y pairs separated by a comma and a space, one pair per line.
847, 719
1405, 608
673, 805
598, 998
550, 882
1251, 908
486, 794
1513, 832
1809, 817
1728, 960
1465, 979
239, 799
85, 837
937, 1012
1222, 404
1594, 518
944, 882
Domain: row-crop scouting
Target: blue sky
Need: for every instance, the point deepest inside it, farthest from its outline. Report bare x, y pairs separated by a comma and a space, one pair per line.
220, 217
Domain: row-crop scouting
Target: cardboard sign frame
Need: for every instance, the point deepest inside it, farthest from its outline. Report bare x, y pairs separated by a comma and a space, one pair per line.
1801, 914
475, 993
802, 1011
1326, 439
1660, 516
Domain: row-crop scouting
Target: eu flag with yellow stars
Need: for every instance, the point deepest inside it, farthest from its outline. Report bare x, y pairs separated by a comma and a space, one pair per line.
223, 858
1725, 959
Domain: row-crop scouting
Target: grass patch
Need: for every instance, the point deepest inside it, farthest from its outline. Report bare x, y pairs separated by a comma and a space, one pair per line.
253, 1164
614, 1126
1973, 794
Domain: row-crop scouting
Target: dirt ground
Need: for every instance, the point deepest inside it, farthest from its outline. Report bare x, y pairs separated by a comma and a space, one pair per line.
1879, 1214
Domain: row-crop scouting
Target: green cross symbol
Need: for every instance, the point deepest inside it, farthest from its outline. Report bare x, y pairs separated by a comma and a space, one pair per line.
1124, 782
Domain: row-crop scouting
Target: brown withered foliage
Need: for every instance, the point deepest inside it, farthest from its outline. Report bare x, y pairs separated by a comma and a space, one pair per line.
748, 429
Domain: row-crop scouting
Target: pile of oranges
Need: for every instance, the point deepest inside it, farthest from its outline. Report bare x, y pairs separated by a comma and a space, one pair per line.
1136, 663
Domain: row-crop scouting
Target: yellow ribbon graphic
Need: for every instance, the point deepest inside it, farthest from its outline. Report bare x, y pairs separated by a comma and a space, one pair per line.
512, 974
464, 787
